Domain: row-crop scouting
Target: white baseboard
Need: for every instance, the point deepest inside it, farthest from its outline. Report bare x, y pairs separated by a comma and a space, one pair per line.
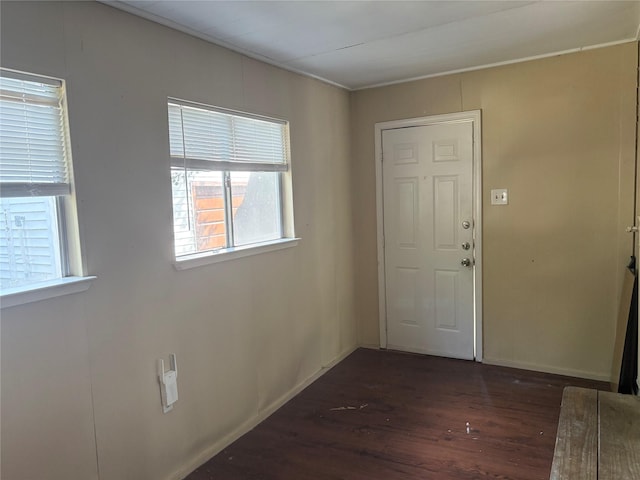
250, 424
568, 372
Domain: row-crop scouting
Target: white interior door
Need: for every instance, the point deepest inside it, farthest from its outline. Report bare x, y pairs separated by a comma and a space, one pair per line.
427, 182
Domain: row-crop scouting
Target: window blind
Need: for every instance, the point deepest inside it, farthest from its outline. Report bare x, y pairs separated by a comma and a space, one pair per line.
206, 139
32, 137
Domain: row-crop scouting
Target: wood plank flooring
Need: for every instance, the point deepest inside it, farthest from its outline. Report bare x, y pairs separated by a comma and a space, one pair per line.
395, 416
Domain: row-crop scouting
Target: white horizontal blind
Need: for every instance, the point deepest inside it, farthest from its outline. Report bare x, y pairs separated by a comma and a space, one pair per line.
206, 139
32, 137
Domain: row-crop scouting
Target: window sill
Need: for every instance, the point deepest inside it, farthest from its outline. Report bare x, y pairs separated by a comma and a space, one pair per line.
207, 258
44, 290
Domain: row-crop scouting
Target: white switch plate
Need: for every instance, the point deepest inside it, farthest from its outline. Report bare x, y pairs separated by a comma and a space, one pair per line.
500, 196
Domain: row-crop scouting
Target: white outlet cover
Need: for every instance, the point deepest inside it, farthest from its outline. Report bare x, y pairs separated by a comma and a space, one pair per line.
500, 196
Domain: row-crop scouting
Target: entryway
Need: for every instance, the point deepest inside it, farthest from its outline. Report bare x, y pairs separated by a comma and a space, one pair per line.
429, 234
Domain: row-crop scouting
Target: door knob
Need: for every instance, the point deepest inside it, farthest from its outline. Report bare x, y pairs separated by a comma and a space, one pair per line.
465, 262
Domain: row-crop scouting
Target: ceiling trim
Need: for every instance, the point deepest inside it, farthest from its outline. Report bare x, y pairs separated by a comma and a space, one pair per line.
499, 64
181, 28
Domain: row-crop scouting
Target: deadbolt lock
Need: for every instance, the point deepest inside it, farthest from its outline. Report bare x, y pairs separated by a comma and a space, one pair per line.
466, 246
466, 224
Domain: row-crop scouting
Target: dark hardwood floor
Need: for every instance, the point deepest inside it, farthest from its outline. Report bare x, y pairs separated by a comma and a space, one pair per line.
405, 417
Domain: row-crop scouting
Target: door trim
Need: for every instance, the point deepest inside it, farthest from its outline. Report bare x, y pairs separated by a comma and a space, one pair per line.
475, 117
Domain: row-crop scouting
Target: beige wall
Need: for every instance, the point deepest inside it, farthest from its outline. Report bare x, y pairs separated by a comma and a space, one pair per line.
559, 133
79, 390
79, 387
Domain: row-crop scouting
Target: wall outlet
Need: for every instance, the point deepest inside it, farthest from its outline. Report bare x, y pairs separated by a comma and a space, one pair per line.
170, 388
168, 383
500, 196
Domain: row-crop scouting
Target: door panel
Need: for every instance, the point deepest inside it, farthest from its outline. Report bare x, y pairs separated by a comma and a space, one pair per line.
446, 299
406, 198
427, 190
407, 295
445, 221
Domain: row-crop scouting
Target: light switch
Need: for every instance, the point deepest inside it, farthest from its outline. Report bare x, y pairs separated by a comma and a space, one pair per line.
500, 196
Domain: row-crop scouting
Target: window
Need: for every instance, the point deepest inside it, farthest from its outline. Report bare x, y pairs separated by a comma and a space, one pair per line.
34, 181
230, 177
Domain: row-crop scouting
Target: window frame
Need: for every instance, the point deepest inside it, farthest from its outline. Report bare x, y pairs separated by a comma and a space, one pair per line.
66, 241
232, 250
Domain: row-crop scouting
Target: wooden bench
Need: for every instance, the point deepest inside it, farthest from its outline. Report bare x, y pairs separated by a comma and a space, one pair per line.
598, 436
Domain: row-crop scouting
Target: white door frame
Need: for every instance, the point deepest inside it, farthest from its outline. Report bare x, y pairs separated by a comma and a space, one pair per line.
475, 117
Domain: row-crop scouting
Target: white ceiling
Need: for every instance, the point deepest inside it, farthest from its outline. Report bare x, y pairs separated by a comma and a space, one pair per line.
358, 44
